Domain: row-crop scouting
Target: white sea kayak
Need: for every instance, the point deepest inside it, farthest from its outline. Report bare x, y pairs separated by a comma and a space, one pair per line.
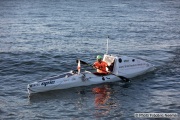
127, 67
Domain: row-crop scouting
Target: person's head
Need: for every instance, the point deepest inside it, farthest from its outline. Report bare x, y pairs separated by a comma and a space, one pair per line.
99, 58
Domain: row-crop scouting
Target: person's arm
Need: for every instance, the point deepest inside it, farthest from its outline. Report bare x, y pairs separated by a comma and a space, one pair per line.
107, 67
95, 66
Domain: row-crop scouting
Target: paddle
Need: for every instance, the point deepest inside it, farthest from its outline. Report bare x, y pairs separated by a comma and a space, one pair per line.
121, 77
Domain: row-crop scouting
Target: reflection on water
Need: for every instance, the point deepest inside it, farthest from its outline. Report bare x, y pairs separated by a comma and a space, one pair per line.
102, 94
77, 101
102, 101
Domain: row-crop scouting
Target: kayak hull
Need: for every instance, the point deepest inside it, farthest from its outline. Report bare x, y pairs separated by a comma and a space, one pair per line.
69, 80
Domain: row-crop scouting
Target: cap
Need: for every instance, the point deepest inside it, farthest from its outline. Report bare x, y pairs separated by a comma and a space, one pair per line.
99, 57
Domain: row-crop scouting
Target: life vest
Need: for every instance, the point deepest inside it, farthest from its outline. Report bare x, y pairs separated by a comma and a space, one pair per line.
101, 67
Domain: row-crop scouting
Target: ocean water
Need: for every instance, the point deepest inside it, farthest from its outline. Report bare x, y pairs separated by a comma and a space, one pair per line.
43, 38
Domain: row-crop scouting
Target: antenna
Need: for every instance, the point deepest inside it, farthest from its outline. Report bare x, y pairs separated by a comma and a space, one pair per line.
107, 45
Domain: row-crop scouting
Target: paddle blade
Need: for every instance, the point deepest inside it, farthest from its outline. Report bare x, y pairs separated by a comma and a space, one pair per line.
124, 78
82, 62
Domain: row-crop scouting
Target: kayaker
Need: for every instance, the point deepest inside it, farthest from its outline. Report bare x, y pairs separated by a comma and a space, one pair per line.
100, 66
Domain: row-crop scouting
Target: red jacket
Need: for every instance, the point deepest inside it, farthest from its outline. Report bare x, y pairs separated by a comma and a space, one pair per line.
101, 67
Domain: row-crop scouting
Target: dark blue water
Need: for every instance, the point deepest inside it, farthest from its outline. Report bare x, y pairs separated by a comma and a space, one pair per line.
42, 38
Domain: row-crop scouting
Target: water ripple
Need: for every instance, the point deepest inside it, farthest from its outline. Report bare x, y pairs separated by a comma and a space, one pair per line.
40, 39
